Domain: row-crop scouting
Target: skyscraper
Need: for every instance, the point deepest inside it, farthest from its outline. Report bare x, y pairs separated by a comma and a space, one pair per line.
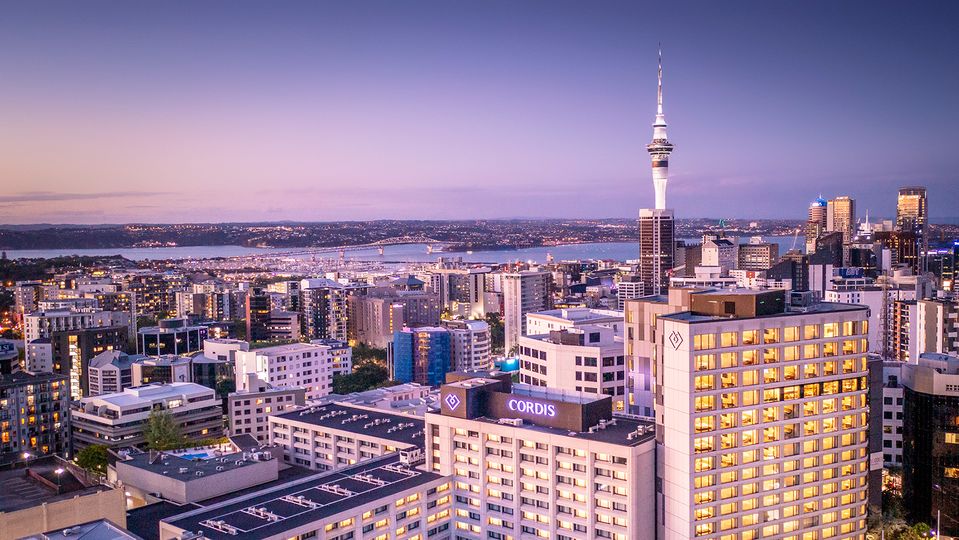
912, 216
657, 243
841, 216
816, 224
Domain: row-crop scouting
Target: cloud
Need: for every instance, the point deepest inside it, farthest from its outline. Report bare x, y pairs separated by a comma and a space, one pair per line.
48, 196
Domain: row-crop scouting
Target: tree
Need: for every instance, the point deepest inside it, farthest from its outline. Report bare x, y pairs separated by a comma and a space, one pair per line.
161, 431
362, 351
93, 458
497, 334
366, 375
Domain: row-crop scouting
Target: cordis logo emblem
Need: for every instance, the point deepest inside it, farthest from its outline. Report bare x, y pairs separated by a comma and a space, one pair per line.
675, 339
531, 407
452, 401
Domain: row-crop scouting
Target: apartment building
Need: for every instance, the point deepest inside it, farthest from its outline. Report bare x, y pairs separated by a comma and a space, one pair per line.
34, 415
762, 418
299, 365
529, 462
544, 322
335, 436
524, 292
469, 344
110, 372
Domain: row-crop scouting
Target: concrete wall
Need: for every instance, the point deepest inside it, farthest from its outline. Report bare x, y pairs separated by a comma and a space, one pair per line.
182, 489
57, 515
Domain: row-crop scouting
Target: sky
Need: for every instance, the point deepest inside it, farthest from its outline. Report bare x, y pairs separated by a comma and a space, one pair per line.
178, 111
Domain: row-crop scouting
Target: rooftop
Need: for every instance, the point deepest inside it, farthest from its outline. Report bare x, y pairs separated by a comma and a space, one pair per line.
272, 512
185, 470
621, 430
103, 529
147, 393
579, 315
21, 377
19, 491
371, 422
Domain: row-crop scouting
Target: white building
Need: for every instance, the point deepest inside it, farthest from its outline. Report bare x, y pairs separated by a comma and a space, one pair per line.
336, 435
117, 419
628, 290
250, 407
587, 359
544, 322
298, 365
762, 416
469, 344
871, 296
523, 292
535, 463
42, 324
110, 372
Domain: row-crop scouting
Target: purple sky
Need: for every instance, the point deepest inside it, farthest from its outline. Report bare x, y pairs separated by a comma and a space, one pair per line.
247, 111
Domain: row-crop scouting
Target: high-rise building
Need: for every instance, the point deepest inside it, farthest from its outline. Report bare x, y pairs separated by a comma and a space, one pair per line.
259, 304
171, 336
422, 355
532, 462
523, 292
761, 415
375, 316
250, 407
912, 216
657, 248
324, 312
841, 217
816, 224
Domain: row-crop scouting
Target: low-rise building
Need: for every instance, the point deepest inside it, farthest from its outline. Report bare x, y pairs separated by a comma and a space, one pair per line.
334, 436
117, 419
150, 476
385, 498
110, 372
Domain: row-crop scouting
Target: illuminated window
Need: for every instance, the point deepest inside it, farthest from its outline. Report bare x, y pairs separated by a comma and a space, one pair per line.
791, 333
705, 361
729, 359
770, 335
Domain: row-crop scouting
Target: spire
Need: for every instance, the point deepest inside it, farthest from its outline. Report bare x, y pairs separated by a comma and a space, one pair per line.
659, 94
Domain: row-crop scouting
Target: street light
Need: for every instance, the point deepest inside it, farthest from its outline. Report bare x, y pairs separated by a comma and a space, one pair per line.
58, 472
26, 459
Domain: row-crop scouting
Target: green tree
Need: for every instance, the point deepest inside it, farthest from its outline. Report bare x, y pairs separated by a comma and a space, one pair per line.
362, 351
161, 431
497, 333
93, 458
366, 375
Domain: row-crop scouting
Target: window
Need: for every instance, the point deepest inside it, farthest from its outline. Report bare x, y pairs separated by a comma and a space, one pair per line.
750, 337
728, 339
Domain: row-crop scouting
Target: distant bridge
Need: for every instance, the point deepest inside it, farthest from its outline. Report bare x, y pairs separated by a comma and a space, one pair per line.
431, 244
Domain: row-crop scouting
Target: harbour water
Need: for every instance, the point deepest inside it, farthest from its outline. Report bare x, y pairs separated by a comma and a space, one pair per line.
620, 251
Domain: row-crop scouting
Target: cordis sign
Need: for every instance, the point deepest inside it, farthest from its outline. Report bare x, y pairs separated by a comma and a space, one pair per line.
531, 407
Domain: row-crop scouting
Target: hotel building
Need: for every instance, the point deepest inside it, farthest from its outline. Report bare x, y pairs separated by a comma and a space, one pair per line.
527, 462
761, 414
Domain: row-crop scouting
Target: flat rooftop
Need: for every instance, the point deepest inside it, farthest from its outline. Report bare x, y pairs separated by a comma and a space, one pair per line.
275, 511
95, 530
820, 307
578, 315
624, 431
399, 428
185, 469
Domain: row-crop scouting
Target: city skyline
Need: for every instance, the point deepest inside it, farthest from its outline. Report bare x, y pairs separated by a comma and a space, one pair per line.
325, 113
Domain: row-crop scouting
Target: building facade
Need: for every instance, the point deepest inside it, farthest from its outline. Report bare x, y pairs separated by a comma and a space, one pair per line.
762, 418
524, 292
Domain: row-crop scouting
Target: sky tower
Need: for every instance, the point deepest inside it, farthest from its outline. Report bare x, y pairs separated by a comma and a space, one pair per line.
660, 148
657, 244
